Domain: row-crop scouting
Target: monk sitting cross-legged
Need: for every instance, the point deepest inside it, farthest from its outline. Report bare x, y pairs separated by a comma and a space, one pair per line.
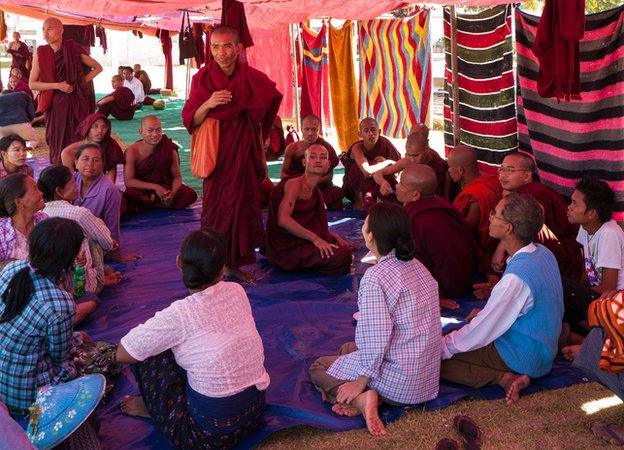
298, 237
417, 150
293, 161
119, 103
152, 172
367, 156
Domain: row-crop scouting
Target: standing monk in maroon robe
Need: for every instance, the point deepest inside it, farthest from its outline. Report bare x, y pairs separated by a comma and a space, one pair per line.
417, 151
152, 172
119, 103
479, 195
516, 174
57, 73
22, 57
293, 162
245, 103
365, 157
298, 236
441, 237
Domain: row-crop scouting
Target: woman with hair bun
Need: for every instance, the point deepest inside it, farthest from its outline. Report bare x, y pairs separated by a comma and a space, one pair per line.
199, 363
396, 354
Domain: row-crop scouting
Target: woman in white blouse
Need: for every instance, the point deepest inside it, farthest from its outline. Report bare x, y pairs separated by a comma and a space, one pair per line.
199, 363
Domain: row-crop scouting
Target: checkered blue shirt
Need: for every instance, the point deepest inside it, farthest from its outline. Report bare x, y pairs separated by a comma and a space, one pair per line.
399, 332
36, 343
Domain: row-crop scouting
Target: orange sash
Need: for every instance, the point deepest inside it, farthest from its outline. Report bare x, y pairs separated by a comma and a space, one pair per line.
204, 148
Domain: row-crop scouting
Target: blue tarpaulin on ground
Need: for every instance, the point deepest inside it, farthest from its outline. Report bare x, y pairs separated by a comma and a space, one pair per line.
299, 316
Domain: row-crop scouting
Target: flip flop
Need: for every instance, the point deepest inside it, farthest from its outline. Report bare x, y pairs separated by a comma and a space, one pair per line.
469, 431
447, 444
606, 432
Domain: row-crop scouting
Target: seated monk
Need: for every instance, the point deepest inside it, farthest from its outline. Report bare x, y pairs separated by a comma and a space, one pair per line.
298, 237
152, 172
417, 150
442, 239
119, 103
517, 174
293, 162
96, 129
514, 338
365, 157
480, 193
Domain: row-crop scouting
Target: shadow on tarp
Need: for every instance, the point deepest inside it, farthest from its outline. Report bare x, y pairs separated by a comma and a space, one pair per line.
299, 316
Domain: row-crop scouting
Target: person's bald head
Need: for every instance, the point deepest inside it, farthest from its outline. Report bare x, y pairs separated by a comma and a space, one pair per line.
420, 130
310, 129
52, 30
369, 132
417, 144
316, 160
417, 181
462, 162
151, 130
225, 31
516, 170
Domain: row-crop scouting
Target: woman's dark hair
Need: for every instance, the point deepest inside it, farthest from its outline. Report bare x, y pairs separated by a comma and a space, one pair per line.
598, 196
52, 247
6, 141
51, 178
86, 145
202, 257
392, 230
12, 187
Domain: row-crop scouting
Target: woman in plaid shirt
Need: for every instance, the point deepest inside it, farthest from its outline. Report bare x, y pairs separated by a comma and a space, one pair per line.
398, 336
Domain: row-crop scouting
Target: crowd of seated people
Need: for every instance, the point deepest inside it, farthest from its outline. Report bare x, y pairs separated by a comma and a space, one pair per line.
508, 239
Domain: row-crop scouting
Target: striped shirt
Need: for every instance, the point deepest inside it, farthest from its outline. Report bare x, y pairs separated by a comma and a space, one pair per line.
399, 332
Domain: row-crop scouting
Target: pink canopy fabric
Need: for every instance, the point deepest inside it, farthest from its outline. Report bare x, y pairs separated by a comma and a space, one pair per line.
266, 14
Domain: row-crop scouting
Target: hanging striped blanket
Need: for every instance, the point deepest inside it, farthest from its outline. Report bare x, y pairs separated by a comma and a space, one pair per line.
395, 72
570, 139
486, 83
315, 79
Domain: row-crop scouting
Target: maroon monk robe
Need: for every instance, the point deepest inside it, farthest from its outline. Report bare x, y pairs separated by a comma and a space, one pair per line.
443, 244
22, 58
486, 191
355, 181
22, 86
63, 111
112, 152
156, 168
562, 240
332, 195
291, 253
122, 106
231, 201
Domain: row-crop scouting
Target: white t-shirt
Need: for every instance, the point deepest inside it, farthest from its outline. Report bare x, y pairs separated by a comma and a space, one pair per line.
137, 89
212, 335
603, 249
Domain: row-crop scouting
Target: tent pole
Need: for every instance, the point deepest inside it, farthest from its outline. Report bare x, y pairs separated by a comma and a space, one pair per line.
455, 87
293, 39
188, 76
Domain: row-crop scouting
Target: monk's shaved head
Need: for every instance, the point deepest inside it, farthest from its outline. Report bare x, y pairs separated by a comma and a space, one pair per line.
523, 160
53, 31
420, 178
117, 78
368, 122
53, 22
311, 120
463, 156
149, 120
224, 30
316, 148
421, 130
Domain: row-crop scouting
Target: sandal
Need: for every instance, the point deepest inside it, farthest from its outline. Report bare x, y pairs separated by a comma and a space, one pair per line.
607, 432
469, 431
447, 444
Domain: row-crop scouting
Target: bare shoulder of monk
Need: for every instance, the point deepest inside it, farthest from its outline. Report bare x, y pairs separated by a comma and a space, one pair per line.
138, 151
294, 189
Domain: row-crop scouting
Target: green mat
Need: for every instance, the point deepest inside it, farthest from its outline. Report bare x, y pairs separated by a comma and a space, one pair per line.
171, 118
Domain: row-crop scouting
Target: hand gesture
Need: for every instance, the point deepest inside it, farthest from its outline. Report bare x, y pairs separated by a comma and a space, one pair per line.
219, 98
348, 391
326, 249
64, 86
482, 291
447, 303
161, 191
384, 188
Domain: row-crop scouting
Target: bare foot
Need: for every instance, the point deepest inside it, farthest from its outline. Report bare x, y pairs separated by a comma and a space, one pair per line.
134, 406
112, 278
513, 384
343, 409
367, 403
235, 272
570, 352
